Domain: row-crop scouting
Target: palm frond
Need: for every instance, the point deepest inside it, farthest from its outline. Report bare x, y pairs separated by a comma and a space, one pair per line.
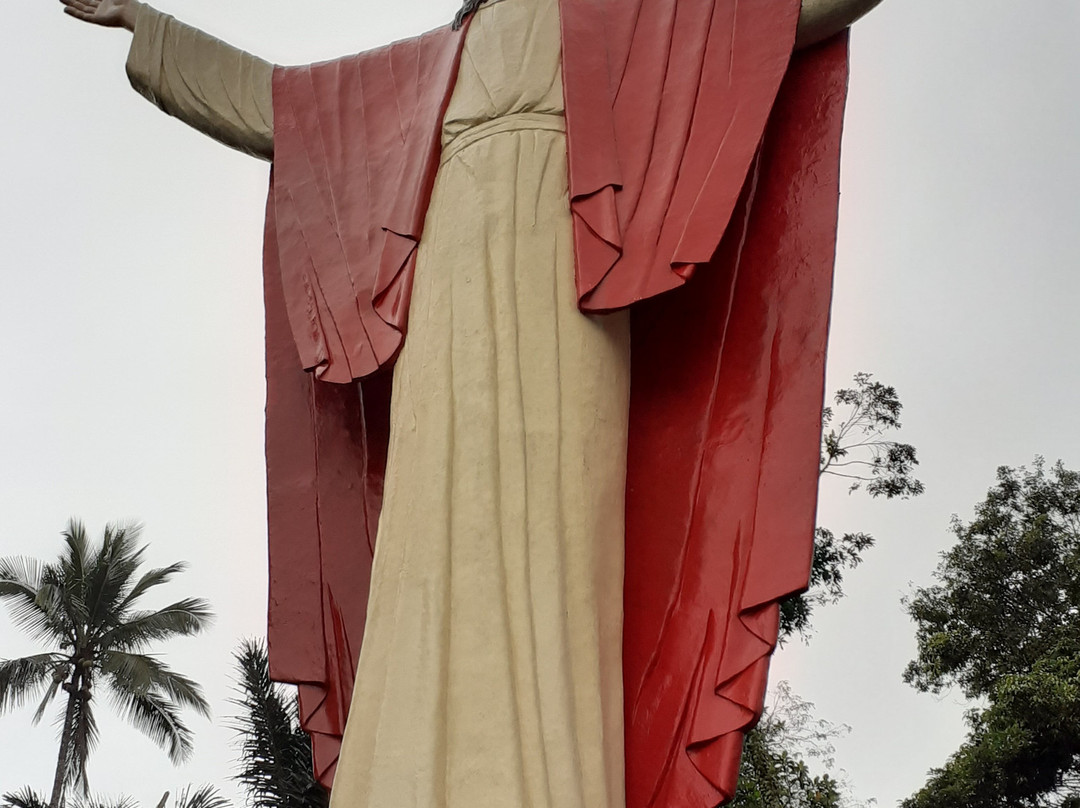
97, 801
25, 585
84, 739
48, 696
70, 576
65, 599
157, 718
181, 619
275, 753
108, 579
139, 673
77, 546
205, 796
25, 797
22, 679
155, 577
23, 572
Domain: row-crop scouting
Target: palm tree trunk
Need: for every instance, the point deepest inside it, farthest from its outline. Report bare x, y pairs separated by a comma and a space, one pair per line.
57, 797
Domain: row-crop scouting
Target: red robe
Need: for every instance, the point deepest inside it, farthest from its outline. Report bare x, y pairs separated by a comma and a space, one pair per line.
701, 154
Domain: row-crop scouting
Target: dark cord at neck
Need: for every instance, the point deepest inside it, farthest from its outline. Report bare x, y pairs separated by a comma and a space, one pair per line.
467, 8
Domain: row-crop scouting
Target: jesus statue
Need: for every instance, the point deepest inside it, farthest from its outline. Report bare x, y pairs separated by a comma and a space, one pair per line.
547, 297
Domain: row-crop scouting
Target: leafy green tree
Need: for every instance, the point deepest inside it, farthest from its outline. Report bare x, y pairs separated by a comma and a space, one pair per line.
856, 446
85, 608
1002, 623
774, 772
275, 753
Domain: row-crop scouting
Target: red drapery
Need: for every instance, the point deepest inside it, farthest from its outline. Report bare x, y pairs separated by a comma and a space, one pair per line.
689, 164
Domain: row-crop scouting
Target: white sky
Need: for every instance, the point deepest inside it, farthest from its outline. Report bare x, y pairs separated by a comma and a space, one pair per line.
131, 333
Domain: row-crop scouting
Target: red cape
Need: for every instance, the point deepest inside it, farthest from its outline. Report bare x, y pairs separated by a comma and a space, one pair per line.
690, 165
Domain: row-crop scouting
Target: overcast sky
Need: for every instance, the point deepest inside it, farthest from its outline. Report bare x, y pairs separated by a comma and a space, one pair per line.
131, 331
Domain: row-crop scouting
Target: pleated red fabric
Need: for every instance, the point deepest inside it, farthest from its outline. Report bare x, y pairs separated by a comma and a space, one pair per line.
727, 384
356, 148
690, 165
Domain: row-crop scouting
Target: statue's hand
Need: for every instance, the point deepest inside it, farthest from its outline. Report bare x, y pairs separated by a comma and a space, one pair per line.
821, 19
110, 13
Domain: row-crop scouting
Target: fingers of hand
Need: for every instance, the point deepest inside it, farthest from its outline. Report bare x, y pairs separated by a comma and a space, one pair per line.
79, 15
81, 8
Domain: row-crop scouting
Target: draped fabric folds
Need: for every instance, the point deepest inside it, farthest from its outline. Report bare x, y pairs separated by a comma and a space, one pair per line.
727, 383
356, 149
689, 164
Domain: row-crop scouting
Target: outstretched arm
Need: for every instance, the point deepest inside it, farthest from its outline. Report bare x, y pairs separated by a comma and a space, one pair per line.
820, 19
209, 85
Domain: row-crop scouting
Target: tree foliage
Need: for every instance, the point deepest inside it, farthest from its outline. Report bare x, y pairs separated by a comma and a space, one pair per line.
25, 797
832, 558
275, 753
1002, 622
205, 796
85, 609
774, 772
856, 446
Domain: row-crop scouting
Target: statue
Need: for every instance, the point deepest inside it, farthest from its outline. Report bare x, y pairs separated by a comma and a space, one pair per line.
522, 194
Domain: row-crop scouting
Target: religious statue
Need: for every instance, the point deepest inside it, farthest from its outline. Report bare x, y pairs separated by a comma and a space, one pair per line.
546, 289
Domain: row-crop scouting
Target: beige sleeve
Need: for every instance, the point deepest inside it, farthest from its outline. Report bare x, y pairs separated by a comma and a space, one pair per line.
209, 85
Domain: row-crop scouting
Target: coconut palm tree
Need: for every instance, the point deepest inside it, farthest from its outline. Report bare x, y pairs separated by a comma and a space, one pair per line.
275, 753
26, 797
84, 607
203, 797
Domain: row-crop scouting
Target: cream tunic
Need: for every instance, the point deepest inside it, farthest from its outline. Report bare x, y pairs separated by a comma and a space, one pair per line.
490, 673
